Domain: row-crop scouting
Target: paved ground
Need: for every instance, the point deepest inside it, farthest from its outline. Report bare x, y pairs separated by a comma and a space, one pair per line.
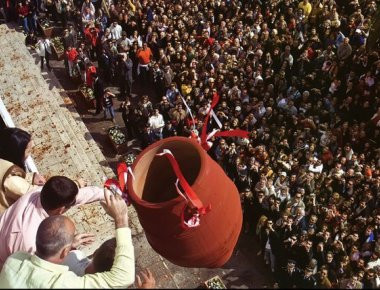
68, 137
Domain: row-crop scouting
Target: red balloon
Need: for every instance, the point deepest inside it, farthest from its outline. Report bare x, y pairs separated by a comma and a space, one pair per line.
160, 208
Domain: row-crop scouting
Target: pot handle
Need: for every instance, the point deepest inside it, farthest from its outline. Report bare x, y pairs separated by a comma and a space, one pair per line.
192, 197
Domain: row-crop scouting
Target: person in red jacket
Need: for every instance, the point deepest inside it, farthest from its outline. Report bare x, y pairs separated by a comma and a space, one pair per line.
92, 34
23, 11
90, 73
71, 55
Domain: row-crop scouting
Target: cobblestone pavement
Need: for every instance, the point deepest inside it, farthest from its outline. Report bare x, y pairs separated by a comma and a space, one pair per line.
65, 146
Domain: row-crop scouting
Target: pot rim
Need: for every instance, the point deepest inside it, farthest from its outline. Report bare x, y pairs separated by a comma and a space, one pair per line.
131, 191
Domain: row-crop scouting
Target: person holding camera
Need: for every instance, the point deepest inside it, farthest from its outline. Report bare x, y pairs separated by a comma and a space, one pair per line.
269, 243
108, 105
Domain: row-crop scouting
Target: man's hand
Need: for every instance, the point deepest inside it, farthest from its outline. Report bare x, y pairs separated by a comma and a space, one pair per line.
148, 281
115, 207
38, 179
83, 240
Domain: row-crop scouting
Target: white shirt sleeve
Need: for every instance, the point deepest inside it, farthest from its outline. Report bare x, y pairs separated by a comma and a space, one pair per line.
77, 262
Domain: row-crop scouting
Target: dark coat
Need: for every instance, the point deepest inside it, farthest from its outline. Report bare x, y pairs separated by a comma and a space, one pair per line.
306, 282
304, 257
127, 70
147, 139
273, 240
301, 225
98, 88
288, 280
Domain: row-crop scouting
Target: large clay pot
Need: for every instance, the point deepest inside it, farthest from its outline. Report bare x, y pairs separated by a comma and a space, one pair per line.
159, 207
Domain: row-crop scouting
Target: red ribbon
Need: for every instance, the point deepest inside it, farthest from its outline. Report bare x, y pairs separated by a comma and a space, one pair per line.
231, 133
122, 169
215, 100
191, 195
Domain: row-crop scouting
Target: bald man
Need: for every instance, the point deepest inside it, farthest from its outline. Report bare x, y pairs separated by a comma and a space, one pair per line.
54, 240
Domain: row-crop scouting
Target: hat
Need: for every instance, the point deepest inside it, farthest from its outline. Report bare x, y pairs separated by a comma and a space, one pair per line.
283, 173
238, 108
211, 80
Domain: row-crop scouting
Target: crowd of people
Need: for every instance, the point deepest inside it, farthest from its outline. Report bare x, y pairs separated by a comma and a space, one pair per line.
298, 75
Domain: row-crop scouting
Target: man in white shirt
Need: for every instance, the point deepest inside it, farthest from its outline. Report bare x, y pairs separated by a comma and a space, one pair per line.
135, 37
316, 166
282, 103
374, 261
116, 31
156, 123
43, 48
125, 42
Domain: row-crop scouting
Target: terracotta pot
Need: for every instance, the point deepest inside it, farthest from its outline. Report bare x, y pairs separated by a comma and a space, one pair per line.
159, 207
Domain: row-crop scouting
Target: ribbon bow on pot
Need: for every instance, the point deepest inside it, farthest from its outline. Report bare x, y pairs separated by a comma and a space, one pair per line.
120, 186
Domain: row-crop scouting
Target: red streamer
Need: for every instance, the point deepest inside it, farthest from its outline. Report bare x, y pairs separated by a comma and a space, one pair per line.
231, 133
192, 196
121, 182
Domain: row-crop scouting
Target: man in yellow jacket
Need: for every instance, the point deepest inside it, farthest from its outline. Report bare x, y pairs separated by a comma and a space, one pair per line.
306, 7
